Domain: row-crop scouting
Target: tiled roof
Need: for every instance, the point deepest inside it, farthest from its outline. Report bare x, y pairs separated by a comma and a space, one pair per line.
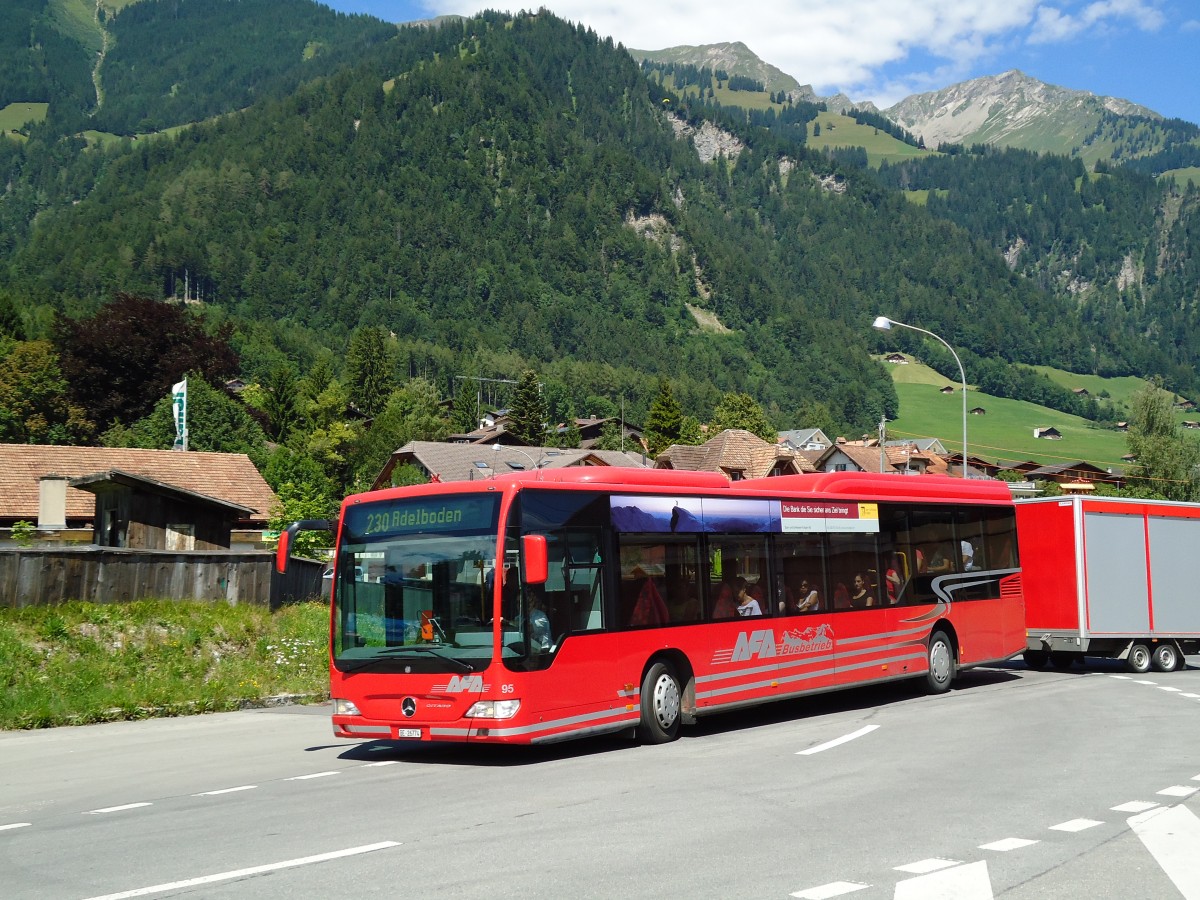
734, 449
231, 477
467, 462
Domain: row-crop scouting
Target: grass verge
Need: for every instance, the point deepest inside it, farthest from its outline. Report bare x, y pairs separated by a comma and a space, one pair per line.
85, 662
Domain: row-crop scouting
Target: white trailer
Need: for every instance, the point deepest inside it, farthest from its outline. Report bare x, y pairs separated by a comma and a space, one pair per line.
1107, 577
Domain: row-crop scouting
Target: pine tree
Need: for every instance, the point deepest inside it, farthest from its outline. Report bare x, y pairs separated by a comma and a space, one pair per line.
741, 411
464, 415
371, 369
527, 416
664, 421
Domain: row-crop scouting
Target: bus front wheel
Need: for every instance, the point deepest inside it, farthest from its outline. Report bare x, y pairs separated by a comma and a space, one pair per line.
661, 705
941, 663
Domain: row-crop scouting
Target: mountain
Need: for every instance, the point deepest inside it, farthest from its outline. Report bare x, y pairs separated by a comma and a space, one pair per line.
512, 192
734, 58
1014, 110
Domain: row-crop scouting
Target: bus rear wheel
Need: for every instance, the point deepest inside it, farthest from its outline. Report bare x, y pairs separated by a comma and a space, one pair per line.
1138, 660
1165, 658
1036, 659
661, 705
941, 663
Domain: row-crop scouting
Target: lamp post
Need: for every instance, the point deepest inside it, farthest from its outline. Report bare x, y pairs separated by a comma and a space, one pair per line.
883, 323
537, 463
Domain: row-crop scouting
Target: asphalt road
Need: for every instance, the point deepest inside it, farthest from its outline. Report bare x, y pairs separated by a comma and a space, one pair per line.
1018, 784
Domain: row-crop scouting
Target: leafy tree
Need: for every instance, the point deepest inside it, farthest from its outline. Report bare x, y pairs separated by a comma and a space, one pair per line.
741, 411
35, 404
690, 432
304, 492
527, 415
612, 437
413, 413
124, 359
216, 422
664, 421
1167, 463
406, 475
24, 533
10, 319
371, 368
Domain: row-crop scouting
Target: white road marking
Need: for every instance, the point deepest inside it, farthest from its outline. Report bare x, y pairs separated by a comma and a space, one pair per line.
1191, 696
1196, 778
927, 865
1003, 846
1143, 681
1134, 806
232, 790
1165, 687
843, 739
385, 762
242, 873
1123, 677
122, 808
833, 889
1075, 825
15, 825
313, 775
970, 882
1179, 790
1171, 834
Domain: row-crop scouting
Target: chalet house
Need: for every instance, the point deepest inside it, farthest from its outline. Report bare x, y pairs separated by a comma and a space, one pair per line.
1080, 392
1190, 424
493, 429
153, 499
1185, 405
848, 457
1122, 426
1067, 473
472, 462
897, 359
1049, 433
805, 439
978, 411
948, 389
931, 446
737, 454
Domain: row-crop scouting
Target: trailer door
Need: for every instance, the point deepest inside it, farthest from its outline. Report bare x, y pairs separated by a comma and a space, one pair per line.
1117, 579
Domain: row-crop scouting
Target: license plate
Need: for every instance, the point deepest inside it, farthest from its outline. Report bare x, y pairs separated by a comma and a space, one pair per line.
408, 732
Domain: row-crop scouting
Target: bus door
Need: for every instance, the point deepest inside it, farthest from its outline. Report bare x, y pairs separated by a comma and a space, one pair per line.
858, 602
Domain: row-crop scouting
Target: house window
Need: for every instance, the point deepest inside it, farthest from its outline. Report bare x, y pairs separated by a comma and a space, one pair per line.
181, 537
840, 467
736, 474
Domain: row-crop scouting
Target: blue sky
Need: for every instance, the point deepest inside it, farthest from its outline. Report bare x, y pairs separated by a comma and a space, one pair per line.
1145, 51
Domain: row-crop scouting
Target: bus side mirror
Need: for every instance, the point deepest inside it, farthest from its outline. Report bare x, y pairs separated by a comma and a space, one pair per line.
283, 549
536, 565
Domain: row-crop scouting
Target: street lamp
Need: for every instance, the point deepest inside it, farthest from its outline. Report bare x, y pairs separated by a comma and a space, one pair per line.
537, 463
883, 323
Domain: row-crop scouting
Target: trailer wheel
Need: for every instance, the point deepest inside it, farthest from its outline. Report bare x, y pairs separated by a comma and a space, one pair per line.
1165, 658
661, 705
1139, 659
1062, 659
941, 663
1036, 659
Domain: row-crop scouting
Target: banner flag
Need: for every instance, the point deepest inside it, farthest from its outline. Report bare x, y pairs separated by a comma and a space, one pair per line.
179, 408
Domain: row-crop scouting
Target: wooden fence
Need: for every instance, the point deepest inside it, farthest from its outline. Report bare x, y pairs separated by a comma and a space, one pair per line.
43, 576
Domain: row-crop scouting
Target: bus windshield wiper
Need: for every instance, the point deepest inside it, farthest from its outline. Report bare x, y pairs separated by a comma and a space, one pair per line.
385, 652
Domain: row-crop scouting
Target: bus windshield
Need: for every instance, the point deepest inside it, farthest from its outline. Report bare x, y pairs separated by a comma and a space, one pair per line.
414, 589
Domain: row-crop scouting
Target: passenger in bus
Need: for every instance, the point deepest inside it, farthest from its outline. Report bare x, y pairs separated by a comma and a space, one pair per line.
810, 600
649, 608
746, 604
939, 560
861, 598
726, 605
841, 596
968, 556
892, 581
539, 622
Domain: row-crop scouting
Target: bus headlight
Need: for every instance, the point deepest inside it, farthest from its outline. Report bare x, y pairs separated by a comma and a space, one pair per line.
493, 709
344, 708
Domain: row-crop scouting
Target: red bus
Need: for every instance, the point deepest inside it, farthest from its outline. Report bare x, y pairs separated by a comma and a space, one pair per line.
548, 605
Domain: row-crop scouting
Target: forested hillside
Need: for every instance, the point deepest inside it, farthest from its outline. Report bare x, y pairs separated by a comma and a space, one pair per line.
504, 194
1122, 245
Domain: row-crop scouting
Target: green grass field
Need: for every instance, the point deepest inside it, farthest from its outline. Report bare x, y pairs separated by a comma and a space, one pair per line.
842, 131
1004, 433
16, 115
1183, 176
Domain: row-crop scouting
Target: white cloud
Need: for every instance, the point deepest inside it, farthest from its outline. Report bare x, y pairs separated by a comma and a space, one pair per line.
854, 46
1054, 25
